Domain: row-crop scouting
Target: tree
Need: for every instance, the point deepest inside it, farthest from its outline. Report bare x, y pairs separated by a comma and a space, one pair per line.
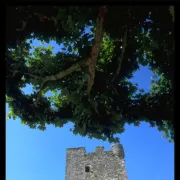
93, 69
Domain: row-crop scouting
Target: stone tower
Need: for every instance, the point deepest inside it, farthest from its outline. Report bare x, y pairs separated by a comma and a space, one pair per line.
99, 165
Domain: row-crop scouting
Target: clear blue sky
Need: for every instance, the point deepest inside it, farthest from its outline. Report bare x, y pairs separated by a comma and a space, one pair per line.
36, 155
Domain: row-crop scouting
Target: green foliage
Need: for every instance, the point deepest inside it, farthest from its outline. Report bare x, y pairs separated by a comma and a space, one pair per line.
111, 104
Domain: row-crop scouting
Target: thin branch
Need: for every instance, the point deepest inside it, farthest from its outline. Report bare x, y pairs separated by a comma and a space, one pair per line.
62, 74
120, 59
34, 76
55, 77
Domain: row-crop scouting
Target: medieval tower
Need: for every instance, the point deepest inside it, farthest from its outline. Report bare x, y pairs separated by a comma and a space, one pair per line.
99, 165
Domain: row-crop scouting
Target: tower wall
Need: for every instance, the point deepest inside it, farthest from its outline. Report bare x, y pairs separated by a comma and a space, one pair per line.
98, 165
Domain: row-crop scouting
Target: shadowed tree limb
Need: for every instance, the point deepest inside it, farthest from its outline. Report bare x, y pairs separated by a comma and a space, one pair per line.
120, 59
95, 48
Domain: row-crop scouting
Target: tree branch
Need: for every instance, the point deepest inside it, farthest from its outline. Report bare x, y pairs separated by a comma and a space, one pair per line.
62, 74
55, 77
120, 59
96, 48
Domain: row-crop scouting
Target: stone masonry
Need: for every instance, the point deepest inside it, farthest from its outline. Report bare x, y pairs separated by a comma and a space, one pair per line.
99, 165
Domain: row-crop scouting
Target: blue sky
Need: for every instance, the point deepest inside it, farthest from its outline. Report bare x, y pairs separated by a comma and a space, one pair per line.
41, 155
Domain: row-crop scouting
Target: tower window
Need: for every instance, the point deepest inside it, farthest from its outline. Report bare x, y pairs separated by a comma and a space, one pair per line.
87, 168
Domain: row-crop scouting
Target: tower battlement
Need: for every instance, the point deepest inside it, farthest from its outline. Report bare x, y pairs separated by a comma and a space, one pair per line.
76, 151
99, 164
116, 149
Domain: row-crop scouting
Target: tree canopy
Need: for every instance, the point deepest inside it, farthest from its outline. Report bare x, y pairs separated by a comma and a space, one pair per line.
89, 78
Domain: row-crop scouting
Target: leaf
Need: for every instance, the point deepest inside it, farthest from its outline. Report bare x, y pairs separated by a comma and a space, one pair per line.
50, 48
23, 122
141, 90
136, 123
54, 91
41, 42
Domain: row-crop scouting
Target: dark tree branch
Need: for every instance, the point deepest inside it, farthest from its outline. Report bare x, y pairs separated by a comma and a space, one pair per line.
96, 47
120, 59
